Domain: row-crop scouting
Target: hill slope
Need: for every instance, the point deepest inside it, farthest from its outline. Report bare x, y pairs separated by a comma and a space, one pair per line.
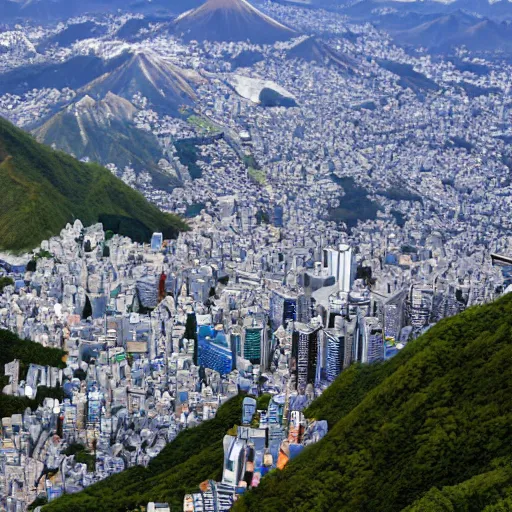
427, 431
104, 131
43, 190
311, 49
164, 85
195, 455
230, 20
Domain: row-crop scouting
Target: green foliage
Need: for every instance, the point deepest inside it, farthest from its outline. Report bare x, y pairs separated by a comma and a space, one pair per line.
4, 282
194, 456
262, 402
191, 333
257, 176
205, 125
250, 162
43, 190
27, 352
38, 502
428, 430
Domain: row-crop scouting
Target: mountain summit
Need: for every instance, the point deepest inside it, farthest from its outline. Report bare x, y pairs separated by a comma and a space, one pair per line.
105, 132
230, 20
164, 85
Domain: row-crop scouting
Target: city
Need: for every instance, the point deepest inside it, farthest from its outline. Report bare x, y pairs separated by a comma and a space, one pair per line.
343, 194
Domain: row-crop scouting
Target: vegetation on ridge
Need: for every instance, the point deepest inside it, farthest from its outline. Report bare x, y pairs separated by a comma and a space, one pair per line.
26, 352
426, 431
195, 455
43, 190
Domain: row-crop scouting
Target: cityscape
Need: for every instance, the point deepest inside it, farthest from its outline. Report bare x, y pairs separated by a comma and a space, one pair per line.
343, 175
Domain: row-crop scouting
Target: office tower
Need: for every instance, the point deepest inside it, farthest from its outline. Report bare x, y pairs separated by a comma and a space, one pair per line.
335, 353
370, 343
304, 308
375, 342
339, 263
93, 409
305, 349
392, 321
283, 309
255, 345
214, 350
157, 241
350, 328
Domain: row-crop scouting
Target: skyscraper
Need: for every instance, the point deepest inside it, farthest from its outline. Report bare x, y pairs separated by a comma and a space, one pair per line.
255, 347
305, 348
339, 263
335, 353
283, 308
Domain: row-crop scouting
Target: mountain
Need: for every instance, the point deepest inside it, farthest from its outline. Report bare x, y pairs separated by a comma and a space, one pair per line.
104, 131
434, 32
43, 190
311, 49
428, 430
230, 20
484, 36
166, 86
197, 454
458, 29
73, 73
52, 10
17, 43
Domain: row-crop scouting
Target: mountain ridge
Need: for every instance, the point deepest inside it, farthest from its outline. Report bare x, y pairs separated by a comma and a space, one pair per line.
104, 131
230, 20
43, 190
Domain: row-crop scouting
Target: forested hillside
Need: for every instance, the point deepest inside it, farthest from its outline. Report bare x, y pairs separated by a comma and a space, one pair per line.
43, 190
26, 352
194, 456
429, 430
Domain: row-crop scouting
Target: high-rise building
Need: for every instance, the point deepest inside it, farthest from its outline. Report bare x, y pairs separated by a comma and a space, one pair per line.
255, 345
371, 341
339, 262
157, 241
305, 350
335, 353
283, 309
214, 352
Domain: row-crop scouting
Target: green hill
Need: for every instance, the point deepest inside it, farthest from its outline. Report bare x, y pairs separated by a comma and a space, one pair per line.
428, 431
43, 190
194, 456
27, 352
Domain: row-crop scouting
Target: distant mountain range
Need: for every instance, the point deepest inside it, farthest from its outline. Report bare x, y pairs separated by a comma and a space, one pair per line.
73, 73
230, 20
72, 33
48, 10
311, 49
43, 190
104, 131
445, 32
